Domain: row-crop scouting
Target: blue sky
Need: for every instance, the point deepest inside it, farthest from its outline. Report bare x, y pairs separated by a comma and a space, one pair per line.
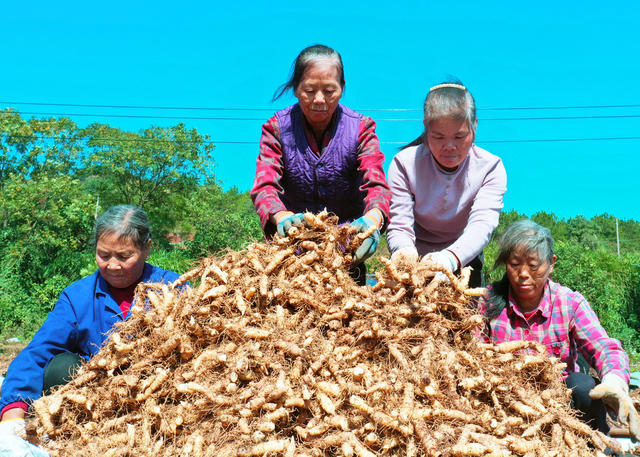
220, 55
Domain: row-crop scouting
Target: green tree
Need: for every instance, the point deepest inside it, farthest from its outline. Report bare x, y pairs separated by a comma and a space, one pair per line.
582, 231
221, 220
38, 146
608, 282
45, 231
157, 169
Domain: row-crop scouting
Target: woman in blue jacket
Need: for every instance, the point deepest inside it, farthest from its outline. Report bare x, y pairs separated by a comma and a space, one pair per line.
84, 314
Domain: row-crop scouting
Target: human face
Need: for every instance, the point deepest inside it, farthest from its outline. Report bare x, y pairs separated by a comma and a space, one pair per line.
527, 276
449, 141
120, 261
318, 93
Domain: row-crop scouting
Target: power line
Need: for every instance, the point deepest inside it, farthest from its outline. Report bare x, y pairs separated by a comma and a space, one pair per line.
563, 139
397, 143
137, 116
124, 140
206, 118
542, 140
204, 108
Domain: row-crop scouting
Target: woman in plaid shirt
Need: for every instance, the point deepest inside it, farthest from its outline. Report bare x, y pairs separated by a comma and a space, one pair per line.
319, 154
526, 305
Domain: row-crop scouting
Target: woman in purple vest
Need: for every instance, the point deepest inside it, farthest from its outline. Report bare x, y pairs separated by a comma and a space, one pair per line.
319, 154
447, 192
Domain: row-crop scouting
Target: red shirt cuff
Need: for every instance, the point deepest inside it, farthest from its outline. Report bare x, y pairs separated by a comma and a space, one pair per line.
15, 404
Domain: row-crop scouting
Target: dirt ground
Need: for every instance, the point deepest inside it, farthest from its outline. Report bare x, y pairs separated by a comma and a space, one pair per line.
8, 351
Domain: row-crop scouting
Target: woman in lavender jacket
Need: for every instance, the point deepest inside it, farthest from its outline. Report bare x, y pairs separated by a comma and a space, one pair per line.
446, 191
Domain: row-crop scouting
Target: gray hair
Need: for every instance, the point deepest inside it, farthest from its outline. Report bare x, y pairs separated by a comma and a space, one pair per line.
125, 221
523, 235
304, 60
449, 99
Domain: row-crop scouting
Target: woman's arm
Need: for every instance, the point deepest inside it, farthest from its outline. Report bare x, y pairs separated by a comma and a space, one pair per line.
269, 169
401, 234
13, 413
603, 353
25, 376
370, 162
483, 217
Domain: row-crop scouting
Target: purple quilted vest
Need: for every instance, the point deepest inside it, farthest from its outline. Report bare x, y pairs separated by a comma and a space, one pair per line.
332, 180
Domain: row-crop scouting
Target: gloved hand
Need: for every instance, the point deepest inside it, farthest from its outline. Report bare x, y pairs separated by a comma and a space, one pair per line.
15, 427
287, 221
371, 219
614, 391
15, 446
409, 253
444, 258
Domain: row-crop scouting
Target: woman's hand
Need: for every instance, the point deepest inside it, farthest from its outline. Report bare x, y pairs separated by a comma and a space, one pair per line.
614, 391
445, 259
371, 220
13, 423
14, 413
13, 436
406, 254
284, 220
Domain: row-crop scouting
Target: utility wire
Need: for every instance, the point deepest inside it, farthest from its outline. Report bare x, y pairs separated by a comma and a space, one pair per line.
204, 118
155, 140
204, 108
137, 116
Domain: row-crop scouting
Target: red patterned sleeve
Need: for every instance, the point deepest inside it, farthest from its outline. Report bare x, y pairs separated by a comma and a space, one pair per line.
266, 190
371, 160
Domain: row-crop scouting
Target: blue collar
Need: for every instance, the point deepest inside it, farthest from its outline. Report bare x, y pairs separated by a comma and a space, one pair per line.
102, 287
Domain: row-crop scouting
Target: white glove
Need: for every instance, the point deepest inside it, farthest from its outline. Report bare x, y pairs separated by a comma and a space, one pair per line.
15, 427
614, 391
409, 253
444, 259
17, 447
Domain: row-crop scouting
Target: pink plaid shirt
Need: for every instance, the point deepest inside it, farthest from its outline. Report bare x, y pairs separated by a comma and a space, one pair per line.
267, 188
565, 323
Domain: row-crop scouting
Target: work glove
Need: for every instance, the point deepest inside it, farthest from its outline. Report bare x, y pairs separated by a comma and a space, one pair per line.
409, 253
15, 427
14, 446
370, 220
443, 258
287, 221
614, 392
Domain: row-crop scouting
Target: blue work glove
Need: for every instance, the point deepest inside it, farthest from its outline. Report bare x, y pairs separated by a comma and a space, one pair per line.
370, 244
285, 223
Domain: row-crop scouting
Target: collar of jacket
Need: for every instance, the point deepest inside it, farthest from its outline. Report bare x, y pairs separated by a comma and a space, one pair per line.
102, 288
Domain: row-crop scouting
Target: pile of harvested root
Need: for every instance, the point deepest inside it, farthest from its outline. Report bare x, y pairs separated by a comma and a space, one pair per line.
274, 350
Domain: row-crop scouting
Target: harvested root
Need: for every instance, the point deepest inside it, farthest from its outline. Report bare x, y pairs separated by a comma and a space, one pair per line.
275, 351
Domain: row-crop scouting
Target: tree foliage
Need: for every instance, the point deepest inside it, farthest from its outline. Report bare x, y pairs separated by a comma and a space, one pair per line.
157, 169
37, 147
55, 178
45, 225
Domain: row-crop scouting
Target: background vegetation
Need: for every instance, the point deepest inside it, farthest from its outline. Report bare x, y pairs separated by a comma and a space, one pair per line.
55, 178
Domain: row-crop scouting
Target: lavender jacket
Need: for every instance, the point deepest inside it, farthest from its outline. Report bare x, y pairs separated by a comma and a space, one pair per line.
433, 210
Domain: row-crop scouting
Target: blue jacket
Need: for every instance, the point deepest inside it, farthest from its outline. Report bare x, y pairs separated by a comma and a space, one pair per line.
79, 323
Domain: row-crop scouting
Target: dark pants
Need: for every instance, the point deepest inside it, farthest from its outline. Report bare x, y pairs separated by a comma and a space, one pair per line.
592, 412
477, 278
60, 370
359, 274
